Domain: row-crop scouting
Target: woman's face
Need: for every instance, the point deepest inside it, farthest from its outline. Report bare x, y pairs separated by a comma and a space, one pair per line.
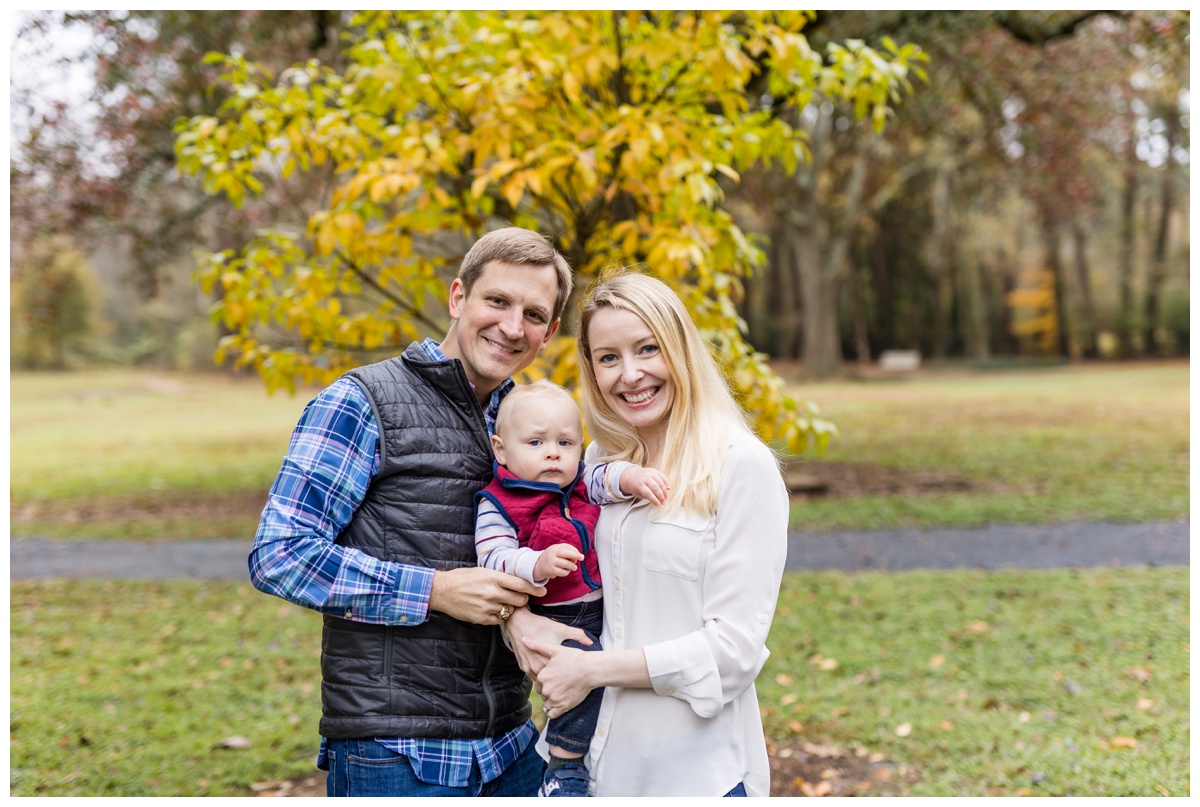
630, 369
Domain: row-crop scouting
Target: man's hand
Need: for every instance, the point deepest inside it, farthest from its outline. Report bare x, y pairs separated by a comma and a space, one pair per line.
475, 594
525, 624
645, 483
557, 560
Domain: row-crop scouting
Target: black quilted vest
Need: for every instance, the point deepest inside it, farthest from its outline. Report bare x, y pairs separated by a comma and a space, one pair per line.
443, 678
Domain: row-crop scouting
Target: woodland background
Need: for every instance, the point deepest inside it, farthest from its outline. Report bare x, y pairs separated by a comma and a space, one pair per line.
1027, 198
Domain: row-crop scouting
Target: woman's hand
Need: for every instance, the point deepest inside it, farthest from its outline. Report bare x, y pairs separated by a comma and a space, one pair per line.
548, 633
563, 680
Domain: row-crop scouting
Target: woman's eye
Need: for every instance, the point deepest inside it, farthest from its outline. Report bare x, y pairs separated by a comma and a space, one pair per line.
607, 358
649, 348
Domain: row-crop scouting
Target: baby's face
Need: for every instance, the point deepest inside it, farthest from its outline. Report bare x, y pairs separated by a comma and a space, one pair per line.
542, 441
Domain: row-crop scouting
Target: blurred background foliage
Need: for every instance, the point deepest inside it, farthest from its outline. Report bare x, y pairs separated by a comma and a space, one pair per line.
1028, 195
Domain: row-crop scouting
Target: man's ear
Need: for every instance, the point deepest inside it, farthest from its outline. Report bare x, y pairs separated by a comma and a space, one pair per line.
498, 447
550, 332
458, 293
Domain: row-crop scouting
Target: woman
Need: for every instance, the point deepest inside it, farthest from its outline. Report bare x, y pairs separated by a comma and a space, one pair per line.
689, 587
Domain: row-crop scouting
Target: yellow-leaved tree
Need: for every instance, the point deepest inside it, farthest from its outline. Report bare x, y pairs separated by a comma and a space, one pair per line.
612, 132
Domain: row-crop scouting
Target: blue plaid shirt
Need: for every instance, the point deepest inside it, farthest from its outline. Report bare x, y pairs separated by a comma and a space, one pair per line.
332, 458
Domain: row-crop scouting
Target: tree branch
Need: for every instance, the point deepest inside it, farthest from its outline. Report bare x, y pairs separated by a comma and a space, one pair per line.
1032, 32
407, 305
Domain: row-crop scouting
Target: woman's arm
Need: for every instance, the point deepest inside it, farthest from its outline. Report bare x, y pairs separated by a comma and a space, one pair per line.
715, 664
570, 674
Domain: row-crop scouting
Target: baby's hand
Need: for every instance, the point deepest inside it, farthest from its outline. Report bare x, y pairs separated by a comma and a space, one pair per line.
556, 561
645, 483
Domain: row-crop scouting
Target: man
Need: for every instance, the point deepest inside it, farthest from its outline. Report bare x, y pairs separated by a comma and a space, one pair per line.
370, 522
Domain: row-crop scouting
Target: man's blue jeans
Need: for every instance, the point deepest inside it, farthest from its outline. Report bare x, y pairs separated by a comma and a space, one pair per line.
366, 768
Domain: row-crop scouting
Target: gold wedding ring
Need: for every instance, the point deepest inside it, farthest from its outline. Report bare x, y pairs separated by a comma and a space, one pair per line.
505, 612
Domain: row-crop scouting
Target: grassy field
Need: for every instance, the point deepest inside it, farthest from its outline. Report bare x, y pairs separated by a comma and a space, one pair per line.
1099, 442
124, 454
1046, 682
969, 683
121, 454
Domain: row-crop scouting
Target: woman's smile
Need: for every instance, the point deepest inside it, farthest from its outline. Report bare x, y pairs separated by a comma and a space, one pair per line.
631, 370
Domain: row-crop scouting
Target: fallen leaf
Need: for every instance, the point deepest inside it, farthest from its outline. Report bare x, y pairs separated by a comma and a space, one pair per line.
1123, 742
796, 726
937, 661
904, 729
823, 789
785, 680
946, 725
1145, 703
1140, 673
1162, 790
235, 741
1023, 717
882, 773
259, 787
827, 664
1023, 791
978, 627
828, 773
789, 699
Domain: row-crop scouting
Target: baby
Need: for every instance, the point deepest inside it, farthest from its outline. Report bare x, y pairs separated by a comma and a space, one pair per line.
536, 520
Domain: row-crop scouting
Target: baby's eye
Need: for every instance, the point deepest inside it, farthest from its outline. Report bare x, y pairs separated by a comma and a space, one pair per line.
535, 442
566, 443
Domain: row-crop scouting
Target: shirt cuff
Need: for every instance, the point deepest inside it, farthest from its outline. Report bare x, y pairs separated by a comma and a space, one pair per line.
684, 668
612, 479
525, 561
414, 584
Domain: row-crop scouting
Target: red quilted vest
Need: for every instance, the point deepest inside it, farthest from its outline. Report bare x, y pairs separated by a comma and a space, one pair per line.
544, 514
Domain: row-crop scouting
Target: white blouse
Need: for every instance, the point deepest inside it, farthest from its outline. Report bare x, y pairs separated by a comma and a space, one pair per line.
698, 594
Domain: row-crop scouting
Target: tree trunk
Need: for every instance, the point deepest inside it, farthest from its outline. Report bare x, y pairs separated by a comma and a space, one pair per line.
974, 311
1158, 258
1054, 262
1125, 258
858, 307
938, 256
1083, 275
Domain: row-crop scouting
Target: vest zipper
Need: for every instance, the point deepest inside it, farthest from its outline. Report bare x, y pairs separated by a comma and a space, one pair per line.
584, 544
476, 410
487, 689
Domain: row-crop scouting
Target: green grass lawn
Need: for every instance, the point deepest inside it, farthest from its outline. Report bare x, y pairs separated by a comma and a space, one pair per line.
980, 683
1098, 442
129, 454
125, 454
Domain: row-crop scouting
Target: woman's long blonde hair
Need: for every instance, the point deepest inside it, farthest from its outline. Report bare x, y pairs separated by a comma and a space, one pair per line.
703, 415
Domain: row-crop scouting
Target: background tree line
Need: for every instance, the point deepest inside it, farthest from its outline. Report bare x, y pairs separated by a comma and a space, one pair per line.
1027, 197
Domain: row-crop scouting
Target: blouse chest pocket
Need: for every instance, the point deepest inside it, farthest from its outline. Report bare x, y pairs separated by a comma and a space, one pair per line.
674, 544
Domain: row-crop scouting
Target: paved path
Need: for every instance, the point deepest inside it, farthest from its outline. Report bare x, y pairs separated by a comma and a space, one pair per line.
1012, 546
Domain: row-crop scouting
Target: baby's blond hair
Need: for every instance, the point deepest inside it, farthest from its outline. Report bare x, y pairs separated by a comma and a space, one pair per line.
538, 389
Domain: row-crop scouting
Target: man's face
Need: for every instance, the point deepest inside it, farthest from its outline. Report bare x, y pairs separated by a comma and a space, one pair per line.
541, 441
503, 322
